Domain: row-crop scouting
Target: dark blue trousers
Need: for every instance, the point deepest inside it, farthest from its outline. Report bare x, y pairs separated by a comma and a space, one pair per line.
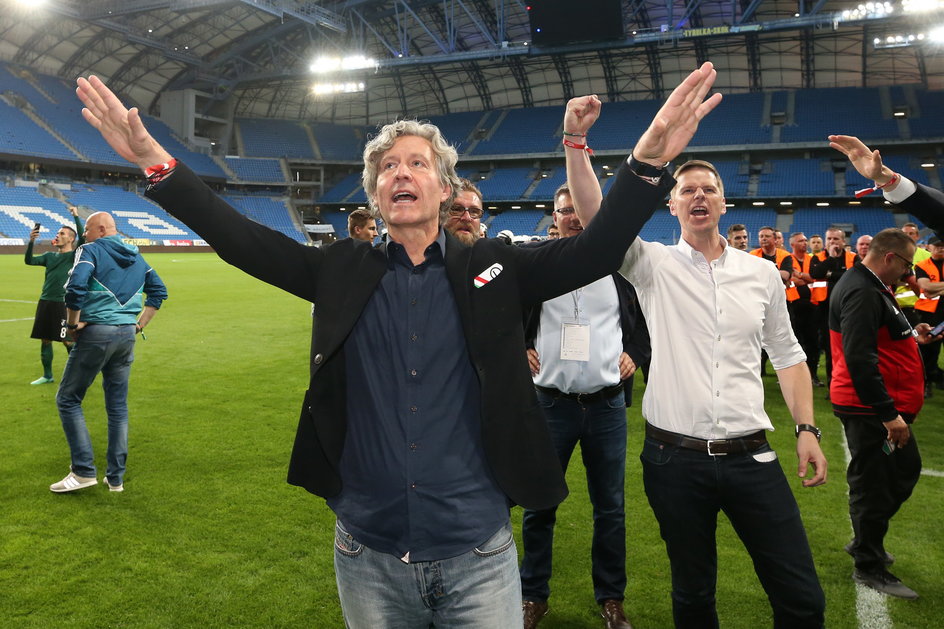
600, 427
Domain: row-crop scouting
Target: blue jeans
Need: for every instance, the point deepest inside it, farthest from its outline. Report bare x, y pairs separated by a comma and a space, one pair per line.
600, 427
109, 350
687, 489
477, 589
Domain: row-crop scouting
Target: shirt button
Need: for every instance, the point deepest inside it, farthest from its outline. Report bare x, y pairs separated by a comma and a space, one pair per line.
717, 393
719, 337
413, 409
717, 365
413, 337
413, 485
413, 372
412, 446
318, 359
412, 302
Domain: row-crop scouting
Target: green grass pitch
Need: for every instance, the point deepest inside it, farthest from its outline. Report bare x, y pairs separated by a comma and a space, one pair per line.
208, 534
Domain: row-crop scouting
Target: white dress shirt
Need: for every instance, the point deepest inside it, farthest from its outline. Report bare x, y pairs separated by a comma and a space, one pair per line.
596, 305
708, 323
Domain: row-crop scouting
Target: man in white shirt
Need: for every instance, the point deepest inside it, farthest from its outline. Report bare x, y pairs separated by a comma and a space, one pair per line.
710, 310
584, 347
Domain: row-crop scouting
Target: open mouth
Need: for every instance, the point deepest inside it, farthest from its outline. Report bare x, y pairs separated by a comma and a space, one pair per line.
700, 211
400, 197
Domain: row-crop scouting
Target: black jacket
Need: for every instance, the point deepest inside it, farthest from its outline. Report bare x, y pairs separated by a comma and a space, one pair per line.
341, 278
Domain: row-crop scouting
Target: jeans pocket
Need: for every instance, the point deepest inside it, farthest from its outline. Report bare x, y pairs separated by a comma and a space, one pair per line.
345, 543
545, 400
617, 401
764, 454
656, 452
498, 543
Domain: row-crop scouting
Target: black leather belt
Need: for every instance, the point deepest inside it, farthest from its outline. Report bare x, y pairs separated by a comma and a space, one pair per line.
583, 398
740, 445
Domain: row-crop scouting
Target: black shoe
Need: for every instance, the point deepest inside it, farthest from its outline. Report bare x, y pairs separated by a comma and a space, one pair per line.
885, 582
889, 558
817, 382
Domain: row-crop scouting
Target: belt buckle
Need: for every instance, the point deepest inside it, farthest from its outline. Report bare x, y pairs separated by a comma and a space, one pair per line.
711, 441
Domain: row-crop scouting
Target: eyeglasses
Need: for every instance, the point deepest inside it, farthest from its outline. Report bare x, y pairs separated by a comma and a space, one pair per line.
908, 263
564, 211
458, 210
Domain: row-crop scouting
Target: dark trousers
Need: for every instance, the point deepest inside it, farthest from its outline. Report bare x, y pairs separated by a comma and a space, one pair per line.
824, 340
687, 489
804, 317
600, 427
932, 351
879, 484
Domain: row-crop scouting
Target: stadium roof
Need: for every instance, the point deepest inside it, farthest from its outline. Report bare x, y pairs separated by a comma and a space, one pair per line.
252, 57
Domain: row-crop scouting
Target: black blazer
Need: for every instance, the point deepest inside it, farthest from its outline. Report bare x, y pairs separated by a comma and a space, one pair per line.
340, 279
928, 205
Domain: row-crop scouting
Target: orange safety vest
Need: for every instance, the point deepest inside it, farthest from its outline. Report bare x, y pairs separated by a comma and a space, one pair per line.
819, 289
782, 255
792, 293
925, 303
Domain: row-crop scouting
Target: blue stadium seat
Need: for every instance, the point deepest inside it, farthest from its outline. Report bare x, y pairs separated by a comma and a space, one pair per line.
256, 169
274, 138
271, 212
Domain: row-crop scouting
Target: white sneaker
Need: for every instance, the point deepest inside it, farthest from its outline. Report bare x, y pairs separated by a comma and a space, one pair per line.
72, 483
111, 487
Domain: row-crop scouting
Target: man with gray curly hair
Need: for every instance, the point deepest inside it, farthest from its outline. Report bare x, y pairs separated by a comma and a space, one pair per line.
420, 426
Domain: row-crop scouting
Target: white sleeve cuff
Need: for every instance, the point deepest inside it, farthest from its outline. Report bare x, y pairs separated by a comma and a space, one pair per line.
902, 191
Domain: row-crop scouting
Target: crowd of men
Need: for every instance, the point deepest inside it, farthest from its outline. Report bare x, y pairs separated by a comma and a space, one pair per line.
475, 368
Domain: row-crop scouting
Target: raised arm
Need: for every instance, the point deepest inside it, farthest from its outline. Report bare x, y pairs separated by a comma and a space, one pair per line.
579, 116
668, 134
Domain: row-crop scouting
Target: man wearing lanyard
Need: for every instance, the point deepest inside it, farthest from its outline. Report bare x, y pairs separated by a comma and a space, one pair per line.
584, 383
877, 394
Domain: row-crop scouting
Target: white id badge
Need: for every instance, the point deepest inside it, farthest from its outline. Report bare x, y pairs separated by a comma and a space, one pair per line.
575, 341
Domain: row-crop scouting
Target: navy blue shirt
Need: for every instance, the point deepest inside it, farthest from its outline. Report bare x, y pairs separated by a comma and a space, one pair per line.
413, 469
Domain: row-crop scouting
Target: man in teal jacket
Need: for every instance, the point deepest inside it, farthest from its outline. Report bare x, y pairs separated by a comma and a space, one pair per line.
103, 300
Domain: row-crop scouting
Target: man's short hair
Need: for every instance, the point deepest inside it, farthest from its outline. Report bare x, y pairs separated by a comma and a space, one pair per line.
358, 219
795, 234
766, 228
891, 239
698, 163
816, 236
564, 188
71, 229
737, 227
837, 229
910, 224
466, 185
445, 154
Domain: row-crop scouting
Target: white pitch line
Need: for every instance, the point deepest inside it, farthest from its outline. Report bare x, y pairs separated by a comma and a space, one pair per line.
18, 301
12, 320
932, 473
871, 606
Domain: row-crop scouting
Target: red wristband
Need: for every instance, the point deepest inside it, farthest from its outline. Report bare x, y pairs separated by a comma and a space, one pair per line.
579, 147
155, 174
867, 191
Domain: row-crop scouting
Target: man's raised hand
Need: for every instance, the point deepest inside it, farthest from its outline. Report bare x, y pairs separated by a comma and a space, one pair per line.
677, 120
120, 127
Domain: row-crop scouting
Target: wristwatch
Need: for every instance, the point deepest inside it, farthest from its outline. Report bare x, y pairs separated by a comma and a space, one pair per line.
72, 326
809, 428
650, 173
